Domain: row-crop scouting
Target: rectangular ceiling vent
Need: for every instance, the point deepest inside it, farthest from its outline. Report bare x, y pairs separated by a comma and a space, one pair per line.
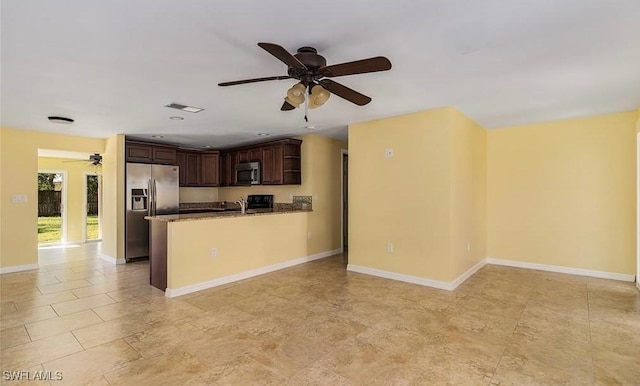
189, 109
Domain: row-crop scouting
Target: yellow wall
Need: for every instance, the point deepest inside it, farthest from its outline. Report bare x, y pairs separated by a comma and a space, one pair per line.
321, 179
113, 167
76, 173
243, 243
468, 193
563, 193
19, 221
427, 200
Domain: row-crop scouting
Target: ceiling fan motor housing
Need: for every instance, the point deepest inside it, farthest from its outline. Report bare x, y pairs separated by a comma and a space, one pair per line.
310, 58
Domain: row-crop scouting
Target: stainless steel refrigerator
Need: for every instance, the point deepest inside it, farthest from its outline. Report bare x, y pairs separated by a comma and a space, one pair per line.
151, 190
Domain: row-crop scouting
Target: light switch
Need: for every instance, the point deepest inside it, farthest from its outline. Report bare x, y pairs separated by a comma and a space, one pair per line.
19, 198
388, 152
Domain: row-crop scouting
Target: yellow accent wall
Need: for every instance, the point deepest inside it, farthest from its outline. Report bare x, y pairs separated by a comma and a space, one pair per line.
76, 173
188, 194
428, 200
563, 193
18, 175
243, 244
113, 177
321, 179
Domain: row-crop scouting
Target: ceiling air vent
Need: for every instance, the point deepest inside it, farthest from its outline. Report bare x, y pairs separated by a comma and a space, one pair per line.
189, 109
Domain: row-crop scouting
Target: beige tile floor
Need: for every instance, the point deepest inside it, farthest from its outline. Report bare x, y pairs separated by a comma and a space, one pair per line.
316, 324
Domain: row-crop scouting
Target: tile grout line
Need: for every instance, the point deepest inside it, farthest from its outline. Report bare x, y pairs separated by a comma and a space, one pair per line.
495, 370
593, 365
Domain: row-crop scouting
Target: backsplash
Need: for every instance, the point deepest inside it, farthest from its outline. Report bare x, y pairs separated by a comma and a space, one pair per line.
299, 202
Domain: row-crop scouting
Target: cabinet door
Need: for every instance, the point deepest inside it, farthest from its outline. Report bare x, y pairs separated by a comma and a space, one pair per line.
278, 167
272, 165
192, 177
243, 156
181, 161
267, 166
164, 155
210, 175
255, 155
138, 153
231, 167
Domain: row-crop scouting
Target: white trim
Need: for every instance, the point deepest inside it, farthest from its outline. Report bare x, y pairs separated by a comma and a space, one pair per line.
638, 208
113, 260
85, 204
19, 268
462, 278
559, 269
173, 292
343, 152
400, 277
418, 280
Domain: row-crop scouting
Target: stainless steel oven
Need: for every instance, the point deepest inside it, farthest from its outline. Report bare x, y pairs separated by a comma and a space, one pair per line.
248, 173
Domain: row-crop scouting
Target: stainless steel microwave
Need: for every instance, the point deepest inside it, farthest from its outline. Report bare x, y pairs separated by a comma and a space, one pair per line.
248, 173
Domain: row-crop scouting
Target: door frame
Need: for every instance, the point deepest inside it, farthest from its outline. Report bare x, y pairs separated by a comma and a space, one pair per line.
85, 204
638, 210
63, 203
343, 152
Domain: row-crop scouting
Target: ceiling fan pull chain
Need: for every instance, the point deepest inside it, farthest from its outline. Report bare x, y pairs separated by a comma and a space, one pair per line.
306, 109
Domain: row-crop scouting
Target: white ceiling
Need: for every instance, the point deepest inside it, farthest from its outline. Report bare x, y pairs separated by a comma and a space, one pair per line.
113, 65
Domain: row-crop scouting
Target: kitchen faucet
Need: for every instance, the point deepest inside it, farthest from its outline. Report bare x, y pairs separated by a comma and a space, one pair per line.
243, 205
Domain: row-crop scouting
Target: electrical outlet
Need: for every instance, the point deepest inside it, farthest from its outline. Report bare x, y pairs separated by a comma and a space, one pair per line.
309, 235
214, 252
468, 247
389, 247
290, 196
388, 152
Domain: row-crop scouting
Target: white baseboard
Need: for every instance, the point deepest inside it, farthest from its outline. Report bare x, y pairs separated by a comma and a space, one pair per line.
112, 260
461, 279
560, 269
637, 283
19, 268
173, 292
415, 279
400, 277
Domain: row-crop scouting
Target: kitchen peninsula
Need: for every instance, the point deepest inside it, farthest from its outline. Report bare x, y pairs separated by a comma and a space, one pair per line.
194, 251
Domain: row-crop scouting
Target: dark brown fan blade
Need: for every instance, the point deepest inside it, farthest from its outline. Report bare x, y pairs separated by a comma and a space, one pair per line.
286, 106
379, 63
253, 80
283, 55
345, 92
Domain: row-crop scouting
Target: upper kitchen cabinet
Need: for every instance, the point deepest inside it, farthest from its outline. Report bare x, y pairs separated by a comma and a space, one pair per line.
210, 162
281, 162
149, 153
228, 162
198, 168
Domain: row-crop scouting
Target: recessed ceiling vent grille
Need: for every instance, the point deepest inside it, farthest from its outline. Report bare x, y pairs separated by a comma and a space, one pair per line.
186, 108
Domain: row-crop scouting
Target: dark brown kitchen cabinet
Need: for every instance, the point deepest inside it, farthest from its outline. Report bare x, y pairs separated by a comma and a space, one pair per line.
281, 163
272, 165
228, 162
244, 156
210, 169
255, 155
149, 153
192, 169
181, 161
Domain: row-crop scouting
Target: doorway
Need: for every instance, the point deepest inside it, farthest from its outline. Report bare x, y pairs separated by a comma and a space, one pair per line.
345, 202
92, 207
52, 221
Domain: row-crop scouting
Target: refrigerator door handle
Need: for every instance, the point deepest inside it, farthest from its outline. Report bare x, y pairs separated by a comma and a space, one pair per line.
149, 197
155, 199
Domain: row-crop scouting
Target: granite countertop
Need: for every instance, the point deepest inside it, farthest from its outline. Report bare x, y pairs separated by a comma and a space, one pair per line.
216, 215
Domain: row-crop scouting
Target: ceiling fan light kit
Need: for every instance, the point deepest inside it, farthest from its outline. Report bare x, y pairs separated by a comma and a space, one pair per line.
310, 69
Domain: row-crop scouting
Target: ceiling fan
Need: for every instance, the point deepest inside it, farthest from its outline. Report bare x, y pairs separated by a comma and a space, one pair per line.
94, 159
311, 70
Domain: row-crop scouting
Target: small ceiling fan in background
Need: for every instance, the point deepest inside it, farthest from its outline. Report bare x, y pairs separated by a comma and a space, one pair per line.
94, 159
311, 69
